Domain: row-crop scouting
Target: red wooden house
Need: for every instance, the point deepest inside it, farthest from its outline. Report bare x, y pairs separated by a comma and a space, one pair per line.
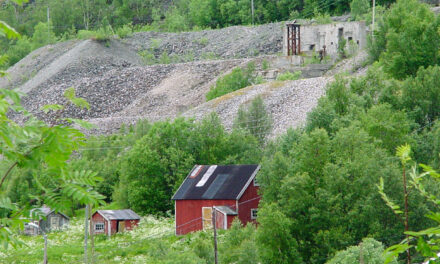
231, 191
112, 221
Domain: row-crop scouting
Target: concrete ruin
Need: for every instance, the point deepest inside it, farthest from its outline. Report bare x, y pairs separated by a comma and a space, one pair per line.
316, 38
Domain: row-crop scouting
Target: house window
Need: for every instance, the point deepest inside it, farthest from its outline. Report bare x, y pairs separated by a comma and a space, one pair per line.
254, 213
99, 227
312, 47
256, 182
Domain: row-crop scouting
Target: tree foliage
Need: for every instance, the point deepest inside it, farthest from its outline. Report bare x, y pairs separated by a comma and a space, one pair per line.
407, 38
255, 119
368, 251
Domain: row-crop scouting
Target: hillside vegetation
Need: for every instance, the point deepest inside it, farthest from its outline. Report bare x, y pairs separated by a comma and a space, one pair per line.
327, 186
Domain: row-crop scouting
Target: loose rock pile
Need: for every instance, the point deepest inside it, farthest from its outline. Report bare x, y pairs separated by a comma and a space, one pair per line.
226, 43
288, 102
121, 89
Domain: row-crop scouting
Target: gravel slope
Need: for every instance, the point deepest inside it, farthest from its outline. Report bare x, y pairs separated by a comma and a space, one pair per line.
120, 89
288, 102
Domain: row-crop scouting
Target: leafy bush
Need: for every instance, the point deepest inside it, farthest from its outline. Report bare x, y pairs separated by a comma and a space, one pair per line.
233, 81
203, 41
164, 58
369, 250
43, 35
124, 31
85, 34
341, 48
174, 21
322, 18
148, 57
265, 65
22, 47
359, 8
407, 39
101, 35
255, 119
289, 76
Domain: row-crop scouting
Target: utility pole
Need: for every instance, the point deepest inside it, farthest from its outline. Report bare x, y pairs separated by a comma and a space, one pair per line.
45, 249
215, 235
92, 237
252, 7
45, 240
374, 12
48, 25
86, 232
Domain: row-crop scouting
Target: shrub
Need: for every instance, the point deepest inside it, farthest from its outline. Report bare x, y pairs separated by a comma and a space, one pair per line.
359, 8
265, 65
164, 58
85, 34
407, 39
148, 57
101, 35
341, 48
233, 81
174, 21
203, 41
255, 119
42, 36
370, 249
124, 31
289, 76
19, 50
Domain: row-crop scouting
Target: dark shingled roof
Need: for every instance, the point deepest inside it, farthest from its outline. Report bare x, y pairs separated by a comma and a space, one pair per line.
215, 182
125, 214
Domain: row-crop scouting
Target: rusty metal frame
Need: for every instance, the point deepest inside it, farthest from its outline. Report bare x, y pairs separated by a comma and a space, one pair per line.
293, 39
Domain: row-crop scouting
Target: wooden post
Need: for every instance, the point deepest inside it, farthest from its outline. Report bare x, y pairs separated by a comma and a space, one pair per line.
361, 254
86, 232
215, 235
92, 236
45, 249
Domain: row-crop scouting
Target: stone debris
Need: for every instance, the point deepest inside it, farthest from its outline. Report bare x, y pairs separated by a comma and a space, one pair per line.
288, 102
121, 89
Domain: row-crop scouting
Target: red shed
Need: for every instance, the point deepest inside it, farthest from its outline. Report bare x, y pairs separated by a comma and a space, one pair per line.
230, 190
112, 221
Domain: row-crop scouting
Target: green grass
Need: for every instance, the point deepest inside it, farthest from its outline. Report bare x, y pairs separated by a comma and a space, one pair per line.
141, 245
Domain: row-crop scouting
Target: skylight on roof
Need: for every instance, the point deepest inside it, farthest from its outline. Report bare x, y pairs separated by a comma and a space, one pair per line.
206, 176
196, 171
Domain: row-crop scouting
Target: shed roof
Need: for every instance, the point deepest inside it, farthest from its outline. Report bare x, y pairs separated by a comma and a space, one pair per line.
46, 211
213, 182
226, 210
125, 214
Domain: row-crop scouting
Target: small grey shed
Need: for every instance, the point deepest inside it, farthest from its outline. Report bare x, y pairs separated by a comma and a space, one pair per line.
48, 220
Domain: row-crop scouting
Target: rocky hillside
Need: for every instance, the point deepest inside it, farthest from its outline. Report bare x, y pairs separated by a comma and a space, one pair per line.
121, 87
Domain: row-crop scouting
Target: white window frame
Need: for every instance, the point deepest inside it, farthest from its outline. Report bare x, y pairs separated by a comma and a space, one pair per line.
256, 182
100, 229
252, 213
